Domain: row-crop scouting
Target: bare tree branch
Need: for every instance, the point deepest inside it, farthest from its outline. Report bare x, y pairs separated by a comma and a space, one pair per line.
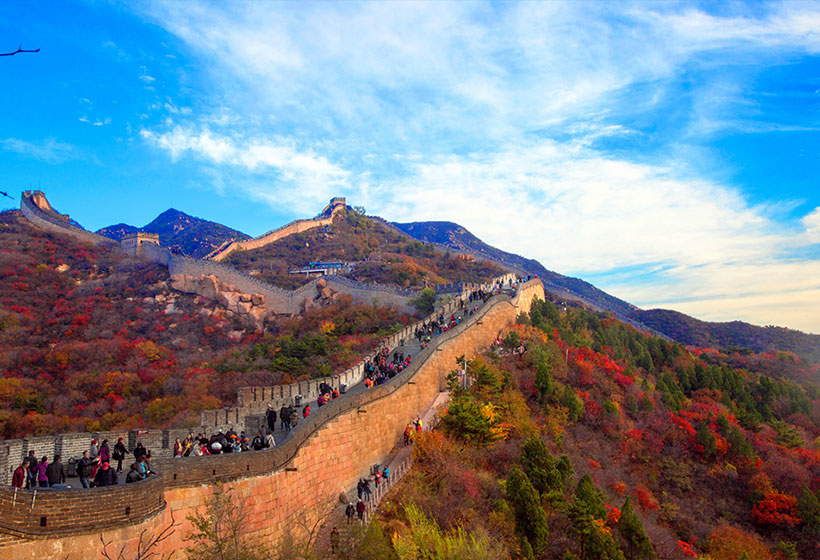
6, 195
20, 50
145, 550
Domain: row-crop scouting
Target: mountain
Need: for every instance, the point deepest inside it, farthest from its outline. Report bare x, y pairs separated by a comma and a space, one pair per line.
181, 232
737, 334
454, 236
117, 231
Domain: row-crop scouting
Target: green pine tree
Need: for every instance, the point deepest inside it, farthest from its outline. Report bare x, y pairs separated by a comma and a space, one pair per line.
588, 498
632, 532
808, 507
530, 517
540, 466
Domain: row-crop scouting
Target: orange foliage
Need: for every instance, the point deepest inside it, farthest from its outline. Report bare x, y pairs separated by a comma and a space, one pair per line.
619, 487
729, 543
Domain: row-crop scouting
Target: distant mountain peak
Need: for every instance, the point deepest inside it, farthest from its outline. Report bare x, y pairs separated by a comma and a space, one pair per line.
181, 232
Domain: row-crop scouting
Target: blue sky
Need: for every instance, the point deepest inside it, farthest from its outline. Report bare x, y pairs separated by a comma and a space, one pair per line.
668, 152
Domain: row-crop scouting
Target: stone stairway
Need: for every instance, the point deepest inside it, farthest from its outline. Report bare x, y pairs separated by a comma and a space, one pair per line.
399, 461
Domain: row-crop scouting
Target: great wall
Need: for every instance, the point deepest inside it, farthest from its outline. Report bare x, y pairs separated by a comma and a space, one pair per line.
286, 488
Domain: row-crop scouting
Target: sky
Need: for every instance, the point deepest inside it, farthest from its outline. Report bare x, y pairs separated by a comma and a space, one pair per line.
667, 152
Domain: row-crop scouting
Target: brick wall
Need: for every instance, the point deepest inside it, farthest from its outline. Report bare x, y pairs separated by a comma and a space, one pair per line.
283, 488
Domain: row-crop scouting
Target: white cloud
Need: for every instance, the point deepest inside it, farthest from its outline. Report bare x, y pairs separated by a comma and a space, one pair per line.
303, 178
49, 150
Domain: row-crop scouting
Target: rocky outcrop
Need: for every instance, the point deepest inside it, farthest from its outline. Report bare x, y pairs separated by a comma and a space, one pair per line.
250, 308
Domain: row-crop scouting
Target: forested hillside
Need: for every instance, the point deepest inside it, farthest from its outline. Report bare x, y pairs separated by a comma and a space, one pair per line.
382, 255
733, 334
90, 340
580, 437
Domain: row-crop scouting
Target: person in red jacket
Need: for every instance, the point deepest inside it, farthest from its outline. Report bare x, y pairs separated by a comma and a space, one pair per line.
18, 480
306, 411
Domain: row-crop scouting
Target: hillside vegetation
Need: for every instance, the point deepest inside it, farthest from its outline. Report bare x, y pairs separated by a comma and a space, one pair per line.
733, 334
382, 255
599, 442
91, 340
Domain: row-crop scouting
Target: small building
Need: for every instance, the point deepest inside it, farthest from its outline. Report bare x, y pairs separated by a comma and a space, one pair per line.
321, 268
131, 243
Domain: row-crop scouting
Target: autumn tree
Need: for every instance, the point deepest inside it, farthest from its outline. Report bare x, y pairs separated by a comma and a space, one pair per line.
632, 531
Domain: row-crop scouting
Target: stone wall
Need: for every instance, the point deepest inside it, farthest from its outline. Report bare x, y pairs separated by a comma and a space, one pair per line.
284, 488
296, 226
55, 223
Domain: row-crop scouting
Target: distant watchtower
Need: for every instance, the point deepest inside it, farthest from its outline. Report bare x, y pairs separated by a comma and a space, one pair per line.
132, 242
337, 204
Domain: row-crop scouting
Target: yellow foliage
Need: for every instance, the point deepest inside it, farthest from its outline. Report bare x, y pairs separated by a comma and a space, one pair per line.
729, 543
326, 326
149, 350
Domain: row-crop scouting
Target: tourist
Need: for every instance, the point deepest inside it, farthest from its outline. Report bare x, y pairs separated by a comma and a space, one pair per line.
284, 417
20, 477
134, 474
350, 510
85, 469
334, 541
271, 417
139, 452
31, 470
105, 452
55, 472
367, 491
106, 476
178, 449
306, 411
360, 488
120, 451
294, 418
42, 477
269, 441
258, 443
360, 509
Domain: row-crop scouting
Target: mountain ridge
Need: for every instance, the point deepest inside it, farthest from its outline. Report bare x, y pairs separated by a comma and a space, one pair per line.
673, 324
180, 232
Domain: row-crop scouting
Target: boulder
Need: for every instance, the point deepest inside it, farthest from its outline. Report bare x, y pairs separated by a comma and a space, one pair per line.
183, 283
62, 268
228, 300
256, 318
245, 297
243, 307
210, 286
258, 300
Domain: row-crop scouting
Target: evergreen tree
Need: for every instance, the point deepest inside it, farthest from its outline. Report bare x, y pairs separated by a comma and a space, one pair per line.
588, 498
632, 532
543, 378
530, 518
708, 440
573, 403
539, 466
808, 508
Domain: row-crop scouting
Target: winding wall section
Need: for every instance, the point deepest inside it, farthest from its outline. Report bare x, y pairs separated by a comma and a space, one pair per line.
285, 489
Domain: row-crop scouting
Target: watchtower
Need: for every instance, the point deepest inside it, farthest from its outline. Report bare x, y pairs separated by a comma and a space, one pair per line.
131, 243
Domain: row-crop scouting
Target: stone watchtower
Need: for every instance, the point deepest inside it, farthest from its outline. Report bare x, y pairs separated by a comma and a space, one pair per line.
132, 242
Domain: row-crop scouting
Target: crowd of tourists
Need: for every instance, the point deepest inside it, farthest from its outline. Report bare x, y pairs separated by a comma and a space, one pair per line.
94, 469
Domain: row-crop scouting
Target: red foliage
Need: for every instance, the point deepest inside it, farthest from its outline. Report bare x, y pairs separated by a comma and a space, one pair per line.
776, 509
687, 549
623, 380
646, 500
593, 464
613, 514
